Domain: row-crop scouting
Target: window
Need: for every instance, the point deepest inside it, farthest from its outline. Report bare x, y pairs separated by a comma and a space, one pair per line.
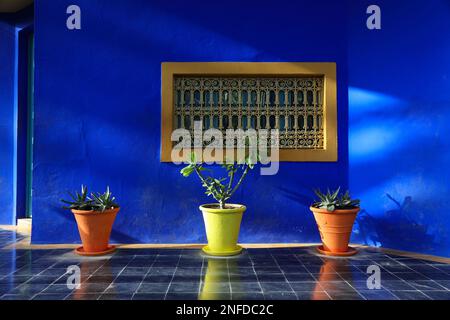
298, 99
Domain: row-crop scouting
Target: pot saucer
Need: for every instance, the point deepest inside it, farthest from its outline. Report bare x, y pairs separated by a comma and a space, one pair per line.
80, 251
351, 251
208, 251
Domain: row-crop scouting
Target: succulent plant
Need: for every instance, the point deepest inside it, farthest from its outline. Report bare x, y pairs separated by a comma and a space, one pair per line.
335, 201
105, 201
220, 189
79, 201
95, 202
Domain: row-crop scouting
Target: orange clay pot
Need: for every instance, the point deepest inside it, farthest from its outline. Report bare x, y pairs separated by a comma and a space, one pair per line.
328, 272
335, 228
95, 228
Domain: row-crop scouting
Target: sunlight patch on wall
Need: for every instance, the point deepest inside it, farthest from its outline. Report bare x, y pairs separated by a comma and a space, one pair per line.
373, 140
362, 102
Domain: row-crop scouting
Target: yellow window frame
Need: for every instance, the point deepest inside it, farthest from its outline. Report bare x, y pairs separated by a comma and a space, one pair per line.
275, 69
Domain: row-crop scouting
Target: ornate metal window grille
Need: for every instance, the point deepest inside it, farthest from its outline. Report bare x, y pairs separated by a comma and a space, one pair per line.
293, 105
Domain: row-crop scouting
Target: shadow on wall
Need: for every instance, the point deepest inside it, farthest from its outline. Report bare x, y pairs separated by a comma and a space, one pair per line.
398, 224
398, 128
398, 168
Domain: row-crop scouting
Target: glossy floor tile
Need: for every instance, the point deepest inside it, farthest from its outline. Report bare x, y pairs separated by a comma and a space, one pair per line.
187, 274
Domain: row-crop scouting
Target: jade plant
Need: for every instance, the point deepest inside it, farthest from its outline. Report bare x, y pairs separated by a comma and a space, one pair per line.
221, 189
335, 200
95, 202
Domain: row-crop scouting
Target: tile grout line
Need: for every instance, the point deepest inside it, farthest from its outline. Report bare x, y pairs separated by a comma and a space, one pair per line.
418, 290
229, 279
440, 271
357, 291
142, 281
23, 267
173, 276
201, 275
425, 294
310, 273
256, 275
392, 273
411, 275
112, 281
54, 282
346, 281
284, 275
86, 279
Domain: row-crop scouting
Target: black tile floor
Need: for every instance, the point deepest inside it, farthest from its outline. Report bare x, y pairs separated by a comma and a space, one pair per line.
157, 274
9, 237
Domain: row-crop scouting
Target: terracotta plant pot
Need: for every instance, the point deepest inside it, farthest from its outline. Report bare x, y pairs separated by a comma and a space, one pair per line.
328, 272
335, 228
95, 228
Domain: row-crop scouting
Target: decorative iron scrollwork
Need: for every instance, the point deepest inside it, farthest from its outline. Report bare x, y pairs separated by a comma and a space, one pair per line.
294, 106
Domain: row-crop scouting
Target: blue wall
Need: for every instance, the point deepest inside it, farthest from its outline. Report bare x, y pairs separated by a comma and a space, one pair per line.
97, 118
10, 26
7, 129
97, 112
399, 151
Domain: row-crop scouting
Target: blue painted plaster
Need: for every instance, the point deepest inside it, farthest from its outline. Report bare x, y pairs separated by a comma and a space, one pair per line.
7, 128
399, 98
10, 26
98, 102
97, 116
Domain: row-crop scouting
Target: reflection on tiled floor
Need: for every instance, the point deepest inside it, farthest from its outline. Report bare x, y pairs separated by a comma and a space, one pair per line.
286, 273
8, 237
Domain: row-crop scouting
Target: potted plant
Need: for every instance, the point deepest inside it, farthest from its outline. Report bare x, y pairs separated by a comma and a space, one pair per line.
95, 215
335, 214
222, 219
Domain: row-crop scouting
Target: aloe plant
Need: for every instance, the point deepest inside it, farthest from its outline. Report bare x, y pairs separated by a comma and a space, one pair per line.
335, 201
221, 189
103, 201
79, 201
96, 201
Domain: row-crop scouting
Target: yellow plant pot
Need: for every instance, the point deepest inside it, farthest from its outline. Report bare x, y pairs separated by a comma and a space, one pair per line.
214, 278
222, 229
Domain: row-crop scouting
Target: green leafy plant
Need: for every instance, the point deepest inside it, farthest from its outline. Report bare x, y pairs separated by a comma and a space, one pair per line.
221, 189
335, 201
96, 201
